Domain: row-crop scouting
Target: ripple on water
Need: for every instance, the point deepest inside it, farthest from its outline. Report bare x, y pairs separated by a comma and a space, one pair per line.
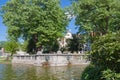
29, 72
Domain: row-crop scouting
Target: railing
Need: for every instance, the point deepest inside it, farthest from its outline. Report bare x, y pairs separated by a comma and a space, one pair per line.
52, 59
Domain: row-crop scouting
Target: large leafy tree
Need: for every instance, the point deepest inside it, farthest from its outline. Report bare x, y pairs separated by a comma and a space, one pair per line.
38, 21
99, 16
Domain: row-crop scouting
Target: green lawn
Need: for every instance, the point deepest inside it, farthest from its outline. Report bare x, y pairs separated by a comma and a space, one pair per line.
4, 61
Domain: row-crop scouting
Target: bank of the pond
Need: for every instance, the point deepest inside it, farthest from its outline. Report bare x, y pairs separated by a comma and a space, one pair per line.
3, 60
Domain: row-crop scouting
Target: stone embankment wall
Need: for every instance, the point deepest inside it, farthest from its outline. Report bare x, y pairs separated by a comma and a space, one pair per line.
52, 59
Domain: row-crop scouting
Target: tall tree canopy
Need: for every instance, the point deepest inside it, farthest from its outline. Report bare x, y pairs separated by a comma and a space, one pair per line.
100, 16
39, 21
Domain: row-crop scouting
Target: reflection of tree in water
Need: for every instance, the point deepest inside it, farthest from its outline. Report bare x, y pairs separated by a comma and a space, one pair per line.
19, 72
28, 72
1, 71
60, 73
44, 73
25, 72
72, 73
8, 73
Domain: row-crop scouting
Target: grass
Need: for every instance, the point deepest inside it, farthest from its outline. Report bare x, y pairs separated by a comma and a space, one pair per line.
3, 60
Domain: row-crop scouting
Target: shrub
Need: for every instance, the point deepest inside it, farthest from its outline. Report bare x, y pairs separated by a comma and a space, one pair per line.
110, 75
92, 73
105, 57
106, 51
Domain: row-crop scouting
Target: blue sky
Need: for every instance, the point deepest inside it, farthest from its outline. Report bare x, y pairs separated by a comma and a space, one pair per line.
3, 28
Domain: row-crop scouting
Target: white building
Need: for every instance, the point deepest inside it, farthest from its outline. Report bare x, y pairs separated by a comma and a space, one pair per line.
62, 41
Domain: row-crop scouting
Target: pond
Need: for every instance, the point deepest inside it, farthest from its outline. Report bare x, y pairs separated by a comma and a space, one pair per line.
29, 72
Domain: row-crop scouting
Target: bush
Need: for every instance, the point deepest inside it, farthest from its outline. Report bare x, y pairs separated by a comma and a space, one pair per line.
110, 75
92, 73
105, 57
106, 52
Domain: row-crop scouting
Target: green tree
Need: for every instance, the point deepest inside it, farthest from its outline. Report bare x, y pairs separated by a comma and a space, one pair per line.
73, 44
23, 46
2, 44
99, 16
38, 21
52, 47
11, 47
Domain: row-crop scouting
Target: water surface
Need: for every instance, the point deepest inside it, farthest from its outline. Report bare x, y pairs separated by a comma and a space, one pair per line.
29, 72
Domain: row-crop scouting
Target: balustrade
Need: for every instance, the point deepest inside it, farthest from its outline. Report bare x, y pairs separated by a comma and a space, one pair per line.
52, 59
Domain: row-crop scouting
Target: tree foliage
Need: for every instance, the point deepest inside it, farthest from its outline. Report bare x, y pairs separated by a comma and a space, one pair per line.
24, 46
39, 21
100, 19
106, 51
105, 59
11, 47
74, 44
52, 47
2, 44
99, 73
100, 16
92, 73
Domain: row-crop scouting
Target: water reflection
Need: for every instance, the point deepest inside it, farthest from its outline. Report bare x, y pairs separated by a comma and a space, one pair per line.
28, 72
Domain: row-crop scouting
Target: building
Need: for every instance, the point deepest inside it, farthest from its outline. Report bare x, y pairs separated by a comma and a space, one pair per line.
63, 41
